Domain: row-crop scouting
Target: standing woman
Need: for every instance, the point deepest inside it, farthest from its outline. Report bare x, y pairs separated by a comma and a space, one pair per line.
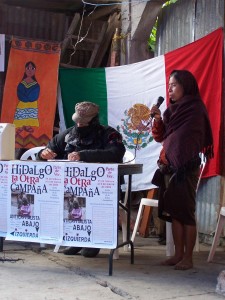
28, 91
184, 132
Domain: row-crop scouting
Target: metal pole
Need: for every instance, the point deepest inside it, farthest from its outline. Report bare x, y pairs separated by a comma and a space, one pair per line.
128, 34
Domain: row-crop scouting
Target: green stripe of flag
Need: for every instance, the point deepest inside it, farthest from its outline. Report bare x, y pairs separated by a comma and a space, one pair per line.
79, 85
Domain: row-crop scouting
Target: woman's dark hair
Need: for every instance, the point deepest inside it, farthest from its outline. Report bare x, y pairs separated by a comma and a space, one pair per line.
187, 80
26, 65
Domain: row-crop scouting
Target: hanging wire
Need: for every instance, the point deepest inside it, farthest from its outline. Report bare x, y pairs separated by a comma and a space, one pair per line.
115, 3
79, 40
92, 10
102, 4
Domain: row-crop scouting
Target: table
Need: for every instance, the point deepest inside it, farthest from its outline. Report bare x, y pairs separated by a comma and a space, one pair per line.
126, 169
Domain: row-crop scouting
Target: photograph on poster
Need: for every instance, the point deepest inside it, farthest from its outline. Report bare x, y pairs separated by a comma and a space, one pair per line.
74, 207
22, 204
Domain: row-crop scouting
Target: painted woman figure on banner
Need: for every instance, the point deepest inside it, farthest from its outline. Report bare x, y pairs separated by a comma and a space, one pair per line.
28, 90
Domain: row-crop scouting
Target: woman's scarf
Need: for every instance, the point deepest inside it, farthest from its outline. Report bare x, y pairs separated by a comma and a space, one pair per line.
187, 132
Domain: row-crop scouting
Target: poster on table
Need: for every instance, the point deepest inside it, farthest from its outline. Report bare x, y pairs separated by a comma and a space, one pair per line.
35, 202
4, 169
90, 205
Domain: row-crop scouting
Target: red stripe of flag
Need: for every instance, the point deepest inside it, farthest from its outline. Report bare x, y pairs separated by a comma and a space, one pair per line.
204, 58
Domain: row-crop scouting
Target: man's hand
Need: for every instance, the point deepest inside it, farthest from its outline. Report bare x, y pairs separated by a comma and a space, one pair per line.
75, 156
48, 154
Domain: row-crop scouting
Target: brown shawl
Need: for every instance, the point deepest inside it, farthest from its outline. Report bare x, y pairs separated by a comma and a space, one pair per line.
187, 132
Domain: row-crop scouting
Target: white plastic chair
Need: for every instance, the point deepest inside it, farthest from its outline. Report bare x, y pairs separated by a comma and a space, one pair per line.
169, 236
219, 228
31, 154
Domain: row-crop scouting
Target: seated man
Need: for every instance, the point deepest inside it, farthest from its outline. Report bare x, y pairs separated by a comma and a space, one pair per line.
87, 141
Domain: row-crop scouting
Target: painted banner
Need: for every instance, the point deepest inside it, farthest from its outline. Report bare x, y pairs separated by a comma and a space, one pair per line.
126, 94
29, 99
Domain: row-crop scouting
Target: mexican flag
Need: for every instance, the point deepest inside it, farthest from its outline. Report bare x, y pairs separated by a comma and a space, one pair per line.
126, 93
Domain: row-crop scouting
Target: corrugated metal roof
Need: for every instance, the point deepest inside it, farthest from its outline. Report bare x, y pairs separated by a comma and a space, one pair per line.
32, 23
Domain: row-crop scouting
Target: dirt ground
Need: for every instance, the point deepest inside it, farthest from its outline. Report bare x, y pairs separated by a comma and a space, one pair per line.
29, 272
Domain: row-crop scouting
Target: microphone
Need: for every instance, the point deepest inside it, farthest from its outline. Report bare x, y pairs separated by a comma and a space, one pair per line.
159, 102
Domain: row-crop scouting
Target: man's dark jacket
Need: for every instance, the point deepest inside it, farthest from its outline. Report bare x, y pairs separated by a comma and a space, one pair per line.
95, 144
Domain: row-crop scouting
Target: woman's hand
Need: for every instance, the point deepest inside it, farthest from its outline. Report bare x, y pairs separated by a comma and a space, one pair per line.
156, 112
75, 156
48, 154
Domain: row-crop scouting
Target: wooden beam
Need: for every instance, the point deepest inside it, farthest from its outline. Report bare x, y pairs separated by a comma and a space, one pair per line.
147, 20
97, 45
69, 66
102, 12
93, 41
113, 23
82, 47
70, 31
